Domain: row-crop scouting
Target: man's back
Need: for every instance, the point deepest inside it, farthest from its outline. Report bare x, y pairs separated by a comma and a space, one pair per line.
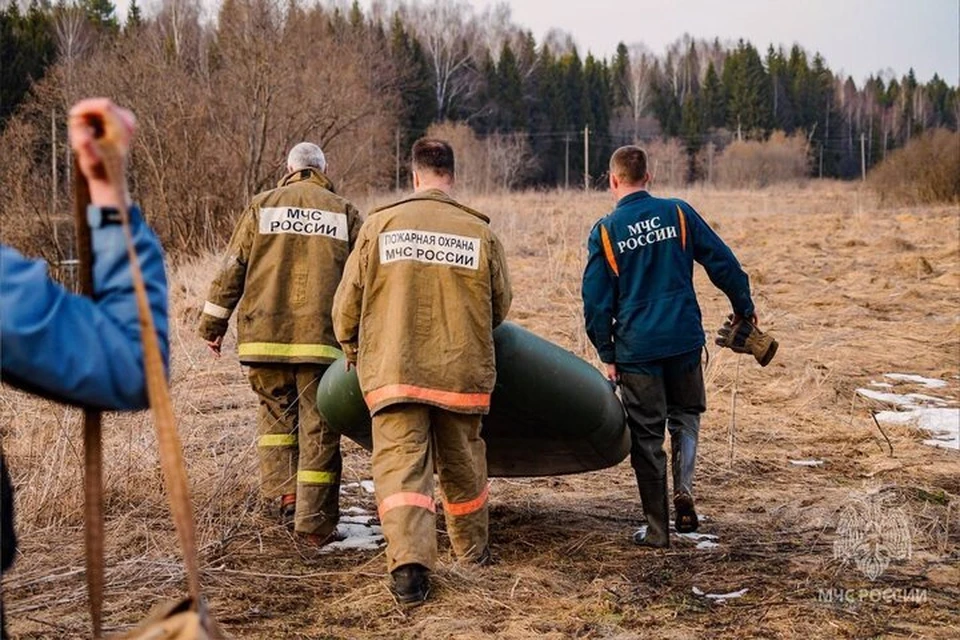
649, 246
286, 258
433, 292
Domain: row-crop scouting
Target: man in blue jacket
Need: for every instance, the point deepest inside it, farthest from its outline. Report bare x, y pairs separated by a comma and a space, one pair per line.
642, 316
70, 348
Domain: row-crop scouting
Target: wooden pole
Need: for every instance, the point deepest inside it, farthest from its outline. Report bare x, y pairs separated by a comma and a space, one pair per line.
586, 158
397, 180
863, 158
566, 162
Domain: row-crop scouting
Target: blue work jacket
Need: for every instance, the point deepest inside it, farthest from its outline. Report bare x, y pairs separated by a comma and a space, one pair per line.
639, 303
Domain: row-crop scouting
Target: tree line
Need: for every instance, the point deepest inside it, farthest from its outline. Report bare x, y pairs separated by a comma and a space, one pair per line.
219, 100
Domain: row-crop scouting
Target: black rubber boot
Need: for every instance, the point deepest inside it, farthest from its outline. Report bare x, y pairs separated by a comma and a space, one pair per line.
685, 514
653, 495
684, 430
411, 584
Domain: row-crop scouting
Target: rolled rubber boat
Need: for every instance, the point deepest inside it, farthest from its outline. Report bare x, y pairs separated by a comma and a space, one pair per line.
551, 413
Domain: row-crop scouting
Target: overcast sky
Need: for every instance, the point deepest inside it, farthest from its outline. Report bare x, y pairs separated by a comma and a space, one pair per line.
858, 37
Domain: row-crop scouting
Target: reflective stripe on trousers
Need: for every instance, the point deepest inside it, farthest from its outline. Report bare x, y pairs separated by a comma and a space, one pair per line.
409, 441
299, 453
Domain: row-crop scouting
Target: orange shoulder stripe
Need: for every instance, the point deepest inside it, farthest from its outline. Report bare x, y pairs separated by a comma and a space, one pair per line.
683, 228
468, 507
608, 250
433, 396
406, 499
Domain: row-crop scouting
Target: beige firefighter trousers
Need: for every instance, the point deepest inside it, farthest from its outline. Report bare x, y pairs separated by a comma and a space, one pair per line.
299, 453
409, 441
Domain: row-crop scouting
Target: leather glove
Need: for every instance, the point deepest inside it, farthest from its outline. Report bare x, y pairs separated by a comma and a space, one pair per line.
742, 336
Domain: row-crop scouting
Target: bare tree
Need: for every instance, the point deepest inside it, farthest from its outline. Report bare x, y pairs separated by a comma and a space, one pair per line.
449, 33
640, 92
75, 39
178, 23
511, 159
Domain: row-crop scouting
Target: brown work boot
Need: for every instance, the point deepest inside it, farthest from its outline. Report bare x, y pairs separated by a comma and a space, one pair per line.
288, 509
411, 584
685, 515
317, 541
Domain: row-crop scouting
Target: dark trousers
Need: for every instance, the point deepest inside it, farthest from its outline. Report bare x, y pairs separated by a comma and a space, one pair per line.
652, 392
8, 540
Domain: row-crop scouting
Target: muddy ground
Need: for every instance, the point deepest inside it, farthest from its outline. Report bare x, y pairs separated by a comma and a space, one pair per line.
852, 292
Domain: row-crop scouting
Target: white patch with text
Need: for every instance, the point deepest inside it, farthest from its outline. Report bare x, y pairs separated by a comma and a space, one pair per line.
304, 222
429, 247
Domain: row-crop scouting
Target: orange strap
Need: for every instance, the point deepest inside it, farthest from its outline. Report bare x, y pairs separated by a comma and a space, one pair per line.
466, 508
433, 396
683, 228
608, 250
406, 499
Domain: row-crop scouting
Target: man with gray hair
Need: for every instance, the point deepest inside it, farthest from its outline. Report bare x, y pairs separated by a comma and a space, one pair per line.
282, 268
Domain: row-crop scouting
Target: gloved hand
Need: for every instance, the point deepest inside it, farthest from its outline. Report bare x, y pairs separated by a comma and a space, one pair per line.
742, 336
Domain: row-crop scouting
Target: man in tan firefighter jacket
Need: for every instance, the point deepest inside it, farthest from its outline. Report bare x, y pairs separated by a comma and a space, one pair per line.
415, 312
283, 265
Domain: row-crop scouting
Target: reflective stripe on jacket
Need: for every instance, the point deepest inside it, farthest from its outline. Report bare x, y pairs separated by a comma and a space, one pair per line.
283, 265
418, 303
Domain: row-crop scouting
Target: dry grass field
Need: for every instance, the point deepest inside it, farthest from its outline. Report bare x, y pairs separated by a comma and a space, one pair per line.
852, 292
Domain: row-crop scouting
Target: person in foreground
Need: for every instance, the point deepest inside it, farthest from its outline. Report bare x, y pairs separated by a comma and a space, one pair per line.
415, 312
643, 318
282, 268
67, 347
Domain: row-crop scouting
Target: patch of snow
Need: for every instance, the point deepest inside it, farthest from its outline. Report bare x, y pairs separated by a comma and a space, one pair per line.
882, 385
703, 540
890, 398
356, 536
698, 536
720, 597
944, 424
906, 401
367, 485
356, 519
924, 399
355, 510
929, 383
806, 463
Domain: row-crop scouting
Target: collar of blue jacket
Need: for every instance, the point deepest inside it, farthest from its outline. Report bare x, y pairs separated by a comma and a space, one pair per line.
632, 197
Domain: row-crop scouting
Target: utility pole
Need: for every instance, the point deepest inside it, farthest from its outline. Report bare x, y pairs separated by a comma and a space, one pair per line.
586, 158
398, 161
710, 163
566, 162
863, 157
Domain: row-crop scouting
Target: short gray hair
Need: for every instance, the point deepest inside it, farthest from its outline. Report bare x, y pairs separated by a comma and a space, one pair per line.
306, 154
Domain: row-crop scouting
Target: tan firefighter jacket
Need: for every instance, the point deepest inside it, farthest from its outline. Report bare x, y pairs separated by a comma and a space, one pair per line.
419, 299
283, 265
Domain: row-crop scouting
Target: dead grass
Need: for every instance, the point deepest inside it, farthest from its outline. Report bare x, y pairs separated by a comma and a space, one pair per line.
850, 290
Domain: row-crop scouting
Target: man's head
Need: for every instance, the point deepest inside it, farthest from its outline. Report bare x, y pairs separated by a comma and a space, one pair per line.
433, 165
628, 170
306, 155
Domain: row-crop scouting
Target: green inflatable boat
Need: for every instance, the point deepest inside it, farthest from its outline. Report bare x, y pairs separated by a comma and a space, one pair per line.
551, 413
